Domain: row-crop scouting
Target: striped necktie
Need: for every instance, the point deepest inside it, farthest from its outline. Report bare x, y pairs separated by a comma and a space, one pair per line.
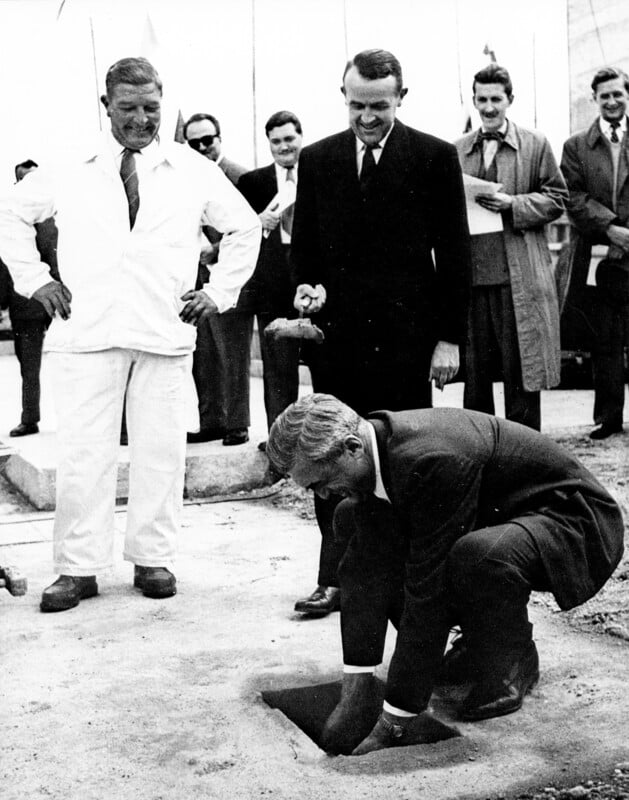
289, 211
130, 182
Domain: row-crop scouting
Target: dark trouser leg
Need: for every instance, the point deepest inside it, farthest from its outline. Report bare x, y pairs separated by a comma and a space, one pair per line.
481, 351
280, 363
28, 343
491, 573
608, 366
371, 576
520, 406
221, 370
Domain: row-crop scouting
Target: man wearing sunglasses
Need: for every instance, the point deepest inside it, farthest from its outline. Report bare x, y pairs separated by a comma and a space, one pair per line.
221, 358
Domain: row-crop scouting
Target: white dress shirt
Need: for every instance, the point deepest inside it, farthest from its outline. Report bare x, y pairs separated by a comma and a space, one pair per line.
377, 151
127, 285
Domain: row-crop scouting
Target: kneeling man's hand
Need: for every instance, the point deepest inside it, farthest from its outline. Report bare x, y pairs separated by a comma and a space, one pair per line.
393, 731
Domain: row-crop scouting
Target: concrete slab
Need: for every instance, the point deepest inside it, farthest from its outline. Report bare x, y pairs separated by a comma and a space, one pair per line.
142, 699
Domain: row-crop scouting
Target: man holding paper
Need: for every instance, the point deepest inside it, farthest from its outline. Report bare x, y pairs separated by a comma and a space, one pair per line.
513, 330
271, 192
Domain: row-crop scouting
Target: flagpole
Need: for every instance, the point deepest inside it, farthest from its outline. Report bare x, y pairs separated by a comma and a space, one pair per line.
253, 83
98, 103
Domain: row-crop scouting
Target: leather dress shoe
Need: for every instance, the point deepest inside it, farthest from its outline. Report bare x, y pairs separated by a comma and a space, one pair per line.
25, 429
236, 436
503, 688
322, 601
605, 430
205, 435
354, 715
68, 591
393, 731
155, 582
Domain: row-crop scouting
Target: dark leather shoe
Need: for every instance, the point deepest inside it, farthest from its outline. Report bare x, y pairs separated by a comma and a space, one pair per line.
503, 688
457, 666
205, 435
355, 714
156, 582
68, 591
124, 439
322, 601
405, 731
24, 429
237, 436
605, 430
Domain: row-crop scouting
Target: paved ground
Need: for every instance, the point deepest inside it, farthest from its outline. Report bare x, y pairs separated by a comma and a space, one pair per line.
125, 697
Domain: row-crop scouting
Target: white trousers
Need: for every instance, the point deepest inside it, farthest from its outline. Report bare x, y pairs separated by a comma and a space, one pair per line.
89, 392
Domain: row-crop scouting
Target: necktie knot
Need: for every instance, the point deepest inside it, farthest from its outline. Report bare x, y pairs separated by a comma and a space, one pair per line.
488, 136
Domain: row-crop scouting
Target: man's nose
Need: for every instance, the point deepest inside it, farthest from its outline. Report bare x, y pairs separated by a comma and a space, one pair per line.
323, 493
367, 115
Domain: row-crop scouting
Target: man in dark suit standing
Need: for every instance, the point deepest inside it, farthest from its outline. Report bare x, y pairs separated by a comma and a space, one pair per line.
375, 203
221, 358
269, 293
451, 517
595, 164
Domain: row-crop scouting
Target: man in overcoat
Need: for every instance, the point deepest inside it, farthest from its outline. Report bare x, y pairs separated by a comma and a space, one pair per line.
513, 330
380, 251
595, 164
450, 517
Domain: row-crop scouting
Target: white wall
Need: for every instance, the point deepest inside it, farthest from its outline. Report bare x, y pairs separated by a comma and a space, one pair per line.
205, 51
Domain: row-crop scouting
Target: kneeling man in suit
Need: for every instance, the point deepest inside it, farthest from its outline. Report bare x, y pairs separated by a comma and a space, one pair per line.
450, 517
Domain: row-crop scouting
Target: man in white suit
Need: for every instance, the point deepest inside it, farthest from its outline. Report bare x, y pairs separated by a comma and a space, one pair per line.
129, 213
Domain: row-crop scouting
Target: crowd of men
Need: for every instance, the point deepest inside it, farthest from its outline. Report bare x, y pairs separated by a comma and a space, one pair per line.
427, 518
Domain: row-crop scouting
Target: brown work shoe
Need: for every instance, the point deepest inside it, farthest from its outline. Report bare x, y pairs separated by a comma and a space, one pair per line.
155, 582
68, 591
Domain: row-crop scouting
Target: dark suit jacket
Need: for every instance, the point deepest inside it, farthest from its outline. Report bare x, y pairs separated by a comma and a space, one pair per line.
587, 167
374, 255
270, 289
451, 471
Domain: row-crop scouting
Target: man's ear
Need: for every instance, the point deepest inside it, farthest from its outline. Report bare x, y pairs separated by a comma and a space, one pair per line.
105, 101
353, 444
403, 93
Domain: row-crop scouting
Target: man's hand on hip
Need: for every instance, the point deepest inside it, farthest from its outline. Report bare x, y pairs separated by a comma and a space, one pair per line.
55, 298
309, 299
445, 363
198, 305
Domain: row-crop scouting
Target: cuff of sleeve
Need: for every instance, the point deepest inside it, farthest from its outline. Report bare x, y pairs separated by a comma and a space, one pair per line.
222, 299
26, 286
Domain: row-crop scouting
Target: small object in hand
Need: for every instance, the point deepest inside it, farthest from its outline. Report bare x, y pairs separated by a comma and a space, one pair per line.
283, 328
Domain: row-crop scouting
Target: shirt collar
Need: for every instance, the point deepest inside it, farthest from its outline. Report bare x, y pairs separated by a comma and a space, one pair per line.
281, 172
360, 145
606, 128
152, 154
379, 491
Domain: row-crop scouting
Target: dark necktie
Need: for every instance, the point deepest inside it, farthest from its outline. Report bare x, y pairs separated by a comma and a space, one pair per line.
614, 136
130, 182
289, 211
368, 168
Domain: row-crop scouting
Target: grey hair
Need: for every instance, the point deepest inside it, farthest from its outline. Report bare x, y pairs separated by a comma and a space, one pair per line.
314, 428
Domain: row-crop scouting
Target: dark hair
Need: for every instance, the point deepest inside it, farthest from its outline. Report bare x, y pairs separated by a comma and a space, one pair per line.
494, 73
609, 74
136, 71
374, 64
282, 118
199, 118
28, 164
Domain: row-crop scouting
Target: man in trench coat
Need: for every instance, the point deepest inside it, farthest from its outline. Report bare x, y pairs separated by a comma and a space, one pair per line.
513, 329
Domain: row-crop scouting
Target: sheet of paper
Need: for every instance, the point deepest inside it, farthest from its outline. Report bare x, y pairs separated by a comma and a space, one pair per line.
479, 219
284, 198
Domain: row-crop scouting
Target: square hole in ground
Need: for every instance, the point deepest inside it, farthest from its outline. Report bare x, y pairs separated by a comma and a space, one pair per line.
308, 707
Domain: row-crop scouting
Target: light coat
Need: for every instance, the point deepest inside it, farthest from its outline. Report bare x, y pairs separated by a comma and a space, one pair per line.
528, 172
